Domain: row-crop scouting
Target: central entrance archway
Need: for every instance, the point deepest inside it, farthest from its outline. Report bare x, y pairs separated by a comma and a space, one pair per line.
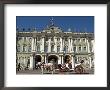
53, 59
37, 59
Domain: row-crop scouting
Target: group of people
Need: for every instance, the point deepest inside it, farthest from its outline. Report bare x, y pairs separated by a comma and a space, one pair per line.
52, 67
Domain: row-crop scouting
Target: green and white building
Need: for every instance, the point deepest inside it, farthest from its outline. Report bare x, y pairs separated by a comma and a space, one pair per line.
54, 44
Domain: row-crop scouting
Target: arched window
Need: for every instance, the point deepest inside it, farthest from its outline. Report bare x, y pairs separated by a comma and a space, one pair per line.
24, 48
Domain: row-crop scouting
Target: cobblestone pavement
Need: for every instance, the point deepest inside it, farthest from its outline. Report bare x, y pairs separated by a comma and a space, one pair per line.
38, 71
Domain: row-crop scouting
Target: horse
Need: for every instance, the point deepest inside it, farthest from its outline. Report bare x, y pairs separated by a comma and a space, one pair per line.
39, 64
48, 66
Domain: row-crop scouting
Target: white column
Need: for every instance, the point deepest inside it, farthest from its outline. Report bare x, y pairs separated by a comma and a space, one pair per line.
22, 48
60, 44
72, 61
59, 60
55, 46
62, 60
92, 42
63, 44
69, 46
77, 59
36, 45
88, 46
49, 45
26, 48
24, 61
76, 49
45, 59
25, 64
31, 62
32, 44
90, 63
42, 44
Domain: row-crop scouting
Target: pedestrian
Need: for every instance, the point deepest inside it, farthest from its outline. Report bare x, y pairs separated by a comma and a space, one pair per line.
19, 66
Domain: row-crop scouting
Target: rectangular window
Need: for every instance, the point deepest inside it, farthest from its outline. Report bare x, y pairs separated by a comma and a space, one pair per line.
46, 48
52, 48
84, 48
29, 50
58, 49
38, 48
64, 49
74, 48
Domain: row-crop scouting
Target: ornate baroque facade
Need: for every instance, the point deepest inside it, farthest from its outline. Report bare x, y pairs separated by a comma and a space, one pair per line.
54, 44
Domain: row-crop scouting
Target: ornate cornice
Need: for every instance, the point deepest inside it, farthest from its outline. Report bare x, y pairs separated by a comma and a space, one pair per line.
60, 34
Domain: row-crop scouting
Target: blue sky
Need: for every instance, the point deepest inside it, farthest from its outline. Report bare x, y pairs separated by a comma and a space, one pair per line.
76, 23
